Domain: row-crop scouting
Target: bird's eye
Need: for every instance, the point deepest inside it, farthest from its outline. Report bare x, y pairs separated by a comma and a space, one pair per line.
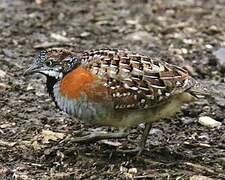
49, 63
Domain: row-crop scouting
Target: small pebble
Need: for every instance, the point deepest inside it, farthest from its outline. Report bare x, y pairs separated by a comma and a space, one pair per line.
199, 177
220, 55
84, 34
214, 29
2, 73
209, 122
4, 86
208, 46
132, 171
8, 53
184, 51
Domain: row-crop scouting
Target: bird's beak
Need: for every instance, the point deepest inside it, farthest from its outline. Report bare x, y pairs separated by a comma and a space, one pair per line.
32, 69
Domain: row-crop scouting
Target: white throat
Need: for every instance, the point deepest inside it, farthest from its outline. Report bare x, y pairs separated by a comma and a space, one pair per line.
52, 73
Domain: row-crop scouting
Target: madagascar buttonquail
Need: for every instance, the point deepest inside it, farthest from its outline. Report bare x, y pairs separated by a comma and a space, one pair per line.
115, 87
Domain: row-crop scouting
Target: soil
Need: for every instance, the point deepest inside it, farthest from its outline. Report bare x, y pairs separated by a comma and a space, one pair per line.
33, 130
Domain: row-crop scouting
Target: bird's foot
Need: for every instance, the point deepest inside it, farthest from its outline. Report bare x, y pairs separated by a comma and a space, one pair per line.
97, 136
136, 151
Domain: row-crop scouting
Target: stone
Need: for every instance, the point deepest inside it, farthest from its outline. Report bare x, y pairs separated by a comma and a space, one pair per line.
2, 73
209, 122
199, 177
220, 55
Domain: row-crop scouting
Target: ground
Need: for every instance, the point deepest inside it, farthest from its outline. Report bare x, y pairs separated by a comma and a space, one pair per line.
33, 131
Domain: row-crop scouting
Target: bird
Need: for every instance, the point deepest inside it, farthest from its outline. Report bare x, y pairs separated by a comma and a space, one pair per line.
115, 87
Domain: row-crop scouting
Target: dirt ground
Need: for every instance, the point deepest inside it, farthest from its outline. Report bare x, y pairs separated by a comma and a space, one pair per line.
32, 130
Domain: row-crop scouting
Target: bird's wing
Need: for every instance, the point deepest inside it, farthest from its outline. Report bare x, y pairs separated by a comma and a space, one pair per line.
136, 81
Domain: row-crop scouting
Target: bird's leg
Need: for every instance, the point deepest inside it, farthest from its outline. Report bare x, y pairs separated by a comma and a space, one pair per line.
96, 136
142, 142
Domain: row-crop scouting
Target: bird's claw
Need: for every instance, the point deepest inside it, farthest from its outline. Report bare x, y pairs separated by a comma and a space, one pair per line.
136, 151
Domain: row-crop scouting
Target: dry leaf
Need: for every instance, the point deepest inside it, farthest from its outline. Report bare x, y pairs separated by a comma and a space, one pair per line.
50, 135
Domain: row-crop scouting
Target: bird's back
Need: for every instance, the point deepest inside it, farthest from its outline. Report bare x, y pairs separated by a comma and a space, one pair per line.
136, 81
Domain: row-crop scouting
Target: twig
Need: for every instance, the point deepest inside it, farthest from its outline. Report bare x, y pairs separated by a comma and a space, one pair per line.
151, 176
7, 144
198, 144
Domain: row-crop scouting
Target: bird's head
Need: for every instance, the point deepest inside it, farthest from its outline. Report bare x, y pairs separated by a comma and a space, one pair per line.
53, 62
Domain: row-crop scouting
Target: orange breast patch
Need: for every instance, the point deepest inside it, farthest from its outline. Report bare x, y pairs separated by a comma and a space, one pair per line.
81, 81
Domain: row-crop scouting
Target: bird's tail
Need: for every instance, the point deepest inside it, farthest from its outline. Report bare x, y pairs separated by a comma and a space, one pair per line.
199, 90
